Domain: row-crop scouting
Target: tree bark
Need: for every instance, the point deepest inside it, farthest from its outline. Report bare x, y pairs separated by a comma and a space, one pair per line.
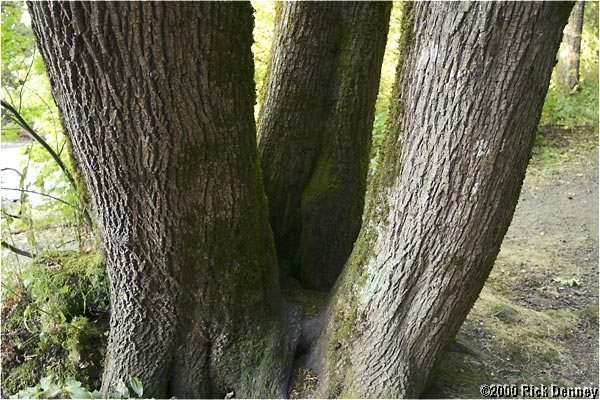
567, 69
158, 98
315, 131
470, 86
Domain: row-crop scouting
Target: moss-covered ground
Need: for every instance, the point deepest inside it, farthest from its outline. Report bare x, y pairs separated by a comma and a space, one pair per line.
54, 321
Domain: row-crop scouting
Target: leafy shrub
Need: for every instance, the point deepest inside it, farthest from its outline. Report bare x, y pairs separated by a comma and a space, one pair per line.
571, 108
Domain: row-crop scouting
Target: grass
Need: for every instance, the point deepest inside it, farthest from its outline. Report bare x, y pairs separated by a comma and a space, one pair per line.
556, 145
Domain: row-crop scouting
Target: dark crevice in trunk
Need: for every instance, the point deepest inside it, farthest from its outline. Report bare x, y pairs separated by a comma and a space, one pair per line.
304, 359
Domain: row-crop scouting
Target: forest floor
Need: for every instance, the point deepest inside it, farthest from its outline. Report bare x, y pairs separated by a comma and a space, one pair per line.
536, 320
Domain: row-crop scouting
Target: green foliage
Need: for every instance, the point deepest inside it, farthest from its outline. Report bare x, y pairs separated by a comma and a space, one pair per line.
68, 284
580, 107
50, 220
264, 15
555, 145
388, 72
18, 44
572, 108
24, 81
54, 318
25, 86
51, 388
589, 39
136, 385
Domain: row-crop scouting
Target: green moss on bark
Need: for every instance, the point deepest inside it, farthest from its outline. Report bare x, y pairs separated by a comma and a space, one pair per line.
389, 168
316, 200
345, 319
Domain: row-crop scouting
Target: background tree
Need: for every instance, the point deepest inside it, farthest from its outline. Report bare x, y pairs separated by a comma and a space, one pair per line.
567, 69
165, 138
460, 133
315, 130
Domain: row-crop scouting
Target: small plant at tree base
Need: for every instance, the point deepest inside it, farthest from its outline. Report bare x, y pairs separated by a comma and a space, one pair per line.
51, 388
54, 318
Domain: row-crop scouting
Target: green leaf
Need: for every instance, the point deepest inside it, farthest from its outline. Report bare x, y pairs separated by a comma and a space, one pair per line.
54, 390
78, 393
569, 282
27, 312
46, 381
75, 391
121, 390
136, 385
70, 382
27, 280
28, 393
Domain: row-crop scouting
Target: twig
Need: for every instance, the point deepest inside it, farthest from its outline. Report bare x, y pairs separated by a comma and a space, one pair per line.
20, 252
7, 92
59, 152
11, 215
16, 171
41, 194
65, 243
26, 78
19, 119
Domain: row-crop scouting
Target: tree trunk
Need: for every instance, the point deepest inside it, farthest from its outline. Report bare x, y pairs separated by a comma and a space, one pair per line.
315, 131
158, 99
471, 83
567, 69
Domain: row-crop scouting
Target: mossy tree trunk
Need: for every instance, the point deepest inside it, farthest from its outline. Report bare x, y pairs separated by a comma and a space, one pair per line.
471, 83
315, 130
158, 98
569, 54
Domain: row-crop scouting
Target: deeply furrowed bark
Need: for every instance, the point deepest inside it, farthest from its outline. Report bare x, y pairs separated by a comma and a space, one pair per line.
315, 131
471, 82
158, 98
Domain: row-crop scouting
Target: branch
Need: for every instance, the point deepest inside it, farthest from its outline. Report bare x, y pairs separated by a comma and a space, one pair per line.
19, 119
11, 215
16, 171
18, 251
41, 194
23, 124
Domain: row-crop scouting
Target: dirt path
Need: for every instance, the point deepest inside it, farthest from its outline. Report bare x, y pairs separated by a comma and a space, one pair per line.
536, 321
556, 227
